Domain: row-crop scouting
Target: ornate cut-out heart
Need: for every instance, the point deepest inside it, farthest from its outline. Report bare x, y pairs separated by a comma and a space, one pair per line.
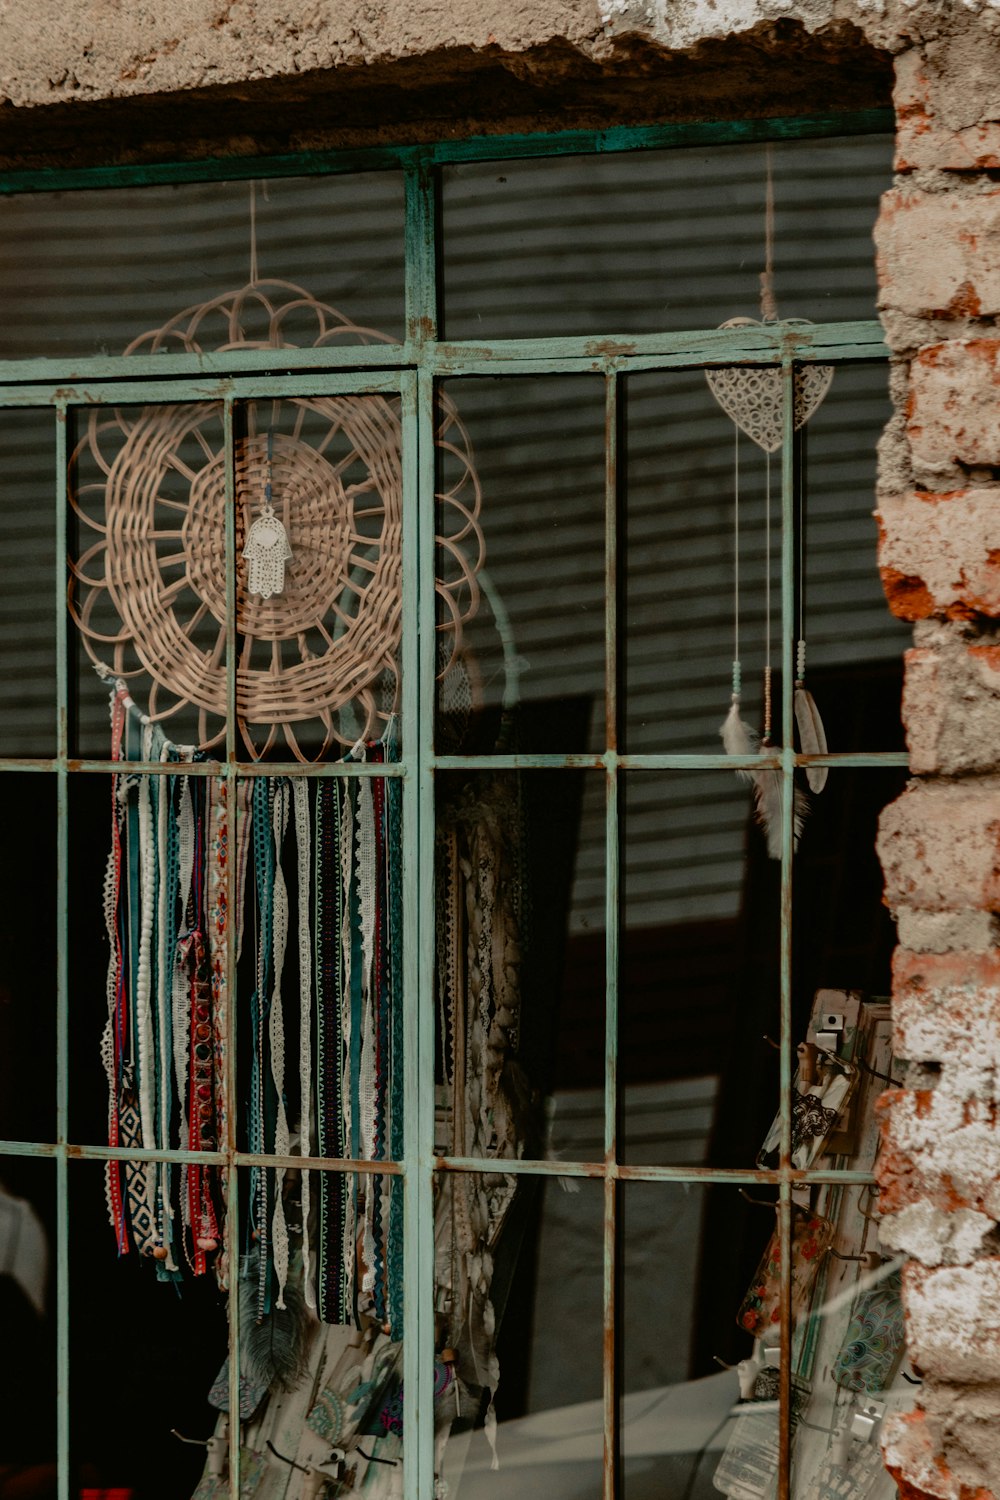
752, 397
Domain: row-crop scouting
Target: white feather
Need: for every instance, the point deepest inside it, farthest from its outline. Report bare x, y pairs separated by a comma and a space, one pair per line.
812, 735
738, 738
767, 808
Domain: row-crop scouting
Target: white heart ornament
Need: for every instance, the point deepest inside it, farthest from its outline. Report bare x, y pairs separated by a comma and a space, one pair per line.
752, 397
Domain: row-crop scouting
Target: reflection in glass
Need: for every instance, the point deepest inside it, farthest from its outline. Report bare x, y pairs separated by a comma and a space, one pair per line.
321, 1372
508, 912
27, 583
141, 255
526, 669
659, 240
523, 1335
699, 978
142, 1357
697, 555
28, 959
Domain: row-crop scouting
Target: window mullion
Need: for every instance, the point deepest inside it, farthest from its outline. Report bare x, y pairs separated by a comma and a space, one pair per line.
63, 418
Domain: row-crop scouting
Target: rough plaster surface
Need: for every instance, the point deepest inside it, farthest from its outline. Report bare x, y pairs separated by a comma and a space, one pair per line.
955, 1319
940, 553
935, 1237
939, 844
951, 712
56, 53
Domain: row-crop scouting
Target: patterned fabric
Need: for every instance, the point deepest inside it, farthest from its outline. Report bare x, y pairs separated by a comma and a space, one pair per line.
870, 1352
760, 1308
811, 1120
251, 1395
328, 1417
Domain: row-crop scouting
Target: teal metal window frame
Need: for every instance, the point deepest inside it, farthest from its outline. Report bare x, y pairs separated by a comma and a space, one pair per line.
413, 370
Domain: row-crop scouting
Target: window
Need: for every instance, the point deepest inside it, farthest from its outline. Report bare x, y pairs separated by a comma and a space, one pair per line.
474, 748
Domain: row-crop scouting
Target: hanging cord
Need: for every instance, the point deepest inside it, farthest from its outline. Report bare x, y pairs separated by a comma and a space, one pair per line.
768, 301
253, 233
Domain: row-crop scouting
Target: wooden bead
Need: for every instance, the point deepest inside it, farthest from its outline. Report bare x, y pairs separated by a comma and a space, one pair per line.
449, 1356
159, 1252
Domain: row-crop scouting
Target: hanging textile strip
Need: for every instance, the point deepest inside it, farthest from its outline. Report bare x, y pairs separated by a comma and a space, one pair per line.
261, 1084
276, 1038
113, 1039
327, 933
394, 882
380, 1027
303, 852
148, 885
351, 1018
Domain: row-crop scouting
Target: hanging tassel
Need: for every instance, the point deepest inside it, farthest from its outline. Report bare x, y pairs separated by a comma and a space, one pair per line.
812, 735
738, 738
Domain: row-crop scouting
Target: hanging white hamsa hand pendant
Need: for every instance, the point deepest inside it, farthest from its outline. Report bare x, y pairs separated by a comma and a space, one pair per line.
267, 550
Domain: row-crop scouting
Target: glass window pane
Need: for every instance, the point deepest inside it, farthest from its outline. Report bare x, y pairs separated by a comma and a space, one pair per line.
322, 1374
27, 583
116, 270
700, 556
27, 1306
519, 896
319, 575
28, 927
543, 1294
521, 558
121, 1304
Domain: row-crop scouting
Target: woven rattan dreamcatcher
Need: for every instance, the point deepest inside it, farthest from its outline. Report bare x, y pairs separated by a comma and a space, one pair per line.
319, 499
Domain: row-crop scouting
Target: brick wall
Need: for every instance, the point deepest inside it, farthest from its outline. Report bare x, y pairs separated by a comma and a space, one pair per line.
938, 243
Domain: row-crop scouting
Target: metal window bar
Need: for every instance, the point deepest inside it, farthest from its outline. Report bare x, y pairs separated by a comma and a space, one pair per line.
413, 369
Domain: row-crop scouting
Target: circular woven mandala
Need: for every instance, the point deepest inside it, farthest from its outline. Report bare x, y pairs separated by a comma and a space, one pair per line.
323, 653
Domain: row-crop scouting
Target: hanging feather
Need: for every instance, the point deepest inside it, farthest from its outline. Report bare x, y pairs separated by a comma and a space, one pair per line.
812, 736
767, 809
273, 1350
738, 738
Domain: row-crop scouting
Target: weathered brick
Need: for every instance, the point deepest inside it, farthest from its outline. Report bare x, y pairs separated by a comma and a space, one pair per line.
951, 706
939, 254
954, 410
947, 104
947, 1006
939, 554
941, 1148
935, 1236
940, 847
911, 1444
953, 1319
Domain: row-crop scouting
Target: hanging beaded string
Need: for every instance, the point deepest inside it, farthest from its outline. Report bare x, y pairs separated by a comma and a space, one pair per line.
769, 314
800, 648
737, 664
